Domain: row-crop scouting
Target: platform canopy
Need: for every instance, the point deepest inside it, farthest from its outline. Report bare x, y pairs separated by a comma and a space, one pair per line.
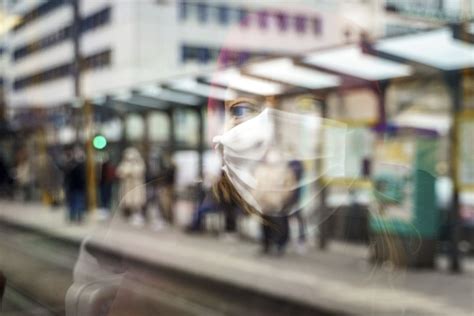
351, 61
285, 71
155, 92
437, 49
147, 97
128, 101
192, 86
232, 78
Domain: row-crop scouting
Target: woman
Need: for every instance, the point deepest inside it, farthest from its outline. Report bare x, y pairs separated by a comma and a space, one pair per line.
131, 172
75, 184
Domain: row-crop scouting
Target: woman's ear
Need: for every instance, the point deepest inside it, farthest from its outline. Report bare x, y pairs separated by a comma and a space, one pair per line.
271, 102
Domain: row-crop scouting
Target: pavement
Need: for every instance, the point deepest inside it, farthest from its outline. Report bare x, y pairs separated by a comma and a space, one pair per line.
339, 279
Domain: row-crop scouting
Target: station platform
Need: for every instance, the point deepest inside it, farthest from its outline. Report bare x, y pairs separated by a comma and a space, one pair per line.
338, 279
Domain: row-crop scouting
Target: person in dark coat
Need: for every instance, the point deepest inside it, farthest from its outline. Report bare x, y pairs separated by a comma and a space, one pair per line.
75, 185
6, 180
106, 182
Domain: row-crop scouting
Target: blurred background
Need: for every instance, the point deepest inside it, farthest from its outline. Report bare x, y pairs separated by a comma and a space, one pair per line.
108, 109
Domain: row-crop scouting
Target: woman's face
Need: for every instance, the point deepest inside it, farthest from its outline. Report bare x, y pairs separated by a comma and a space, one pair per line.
256, 162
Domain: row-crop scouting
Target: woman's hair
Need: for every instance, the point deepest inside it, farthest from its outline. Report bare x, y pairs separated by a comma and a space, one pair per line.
224, 192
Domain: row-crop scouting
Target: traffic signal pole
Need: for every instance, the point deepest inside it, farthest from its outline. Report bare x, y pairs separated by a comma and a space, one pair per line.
87, 110
454, 83
90, 157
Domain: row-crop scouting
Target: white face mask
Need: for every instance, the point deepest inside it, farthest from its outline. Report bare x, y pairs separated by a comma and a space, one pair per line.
272, 159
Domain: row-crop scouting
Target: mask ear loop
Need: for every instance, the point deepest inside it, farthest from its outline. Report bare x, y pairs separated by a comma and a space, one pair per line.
216, 140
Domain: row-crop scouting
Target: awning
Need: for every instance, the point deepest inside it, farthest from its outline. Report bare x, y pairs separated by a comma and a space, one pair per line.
190, 85
437, 49
351, 61
128, 101
148, 97
166, 96
285, 71
232, 78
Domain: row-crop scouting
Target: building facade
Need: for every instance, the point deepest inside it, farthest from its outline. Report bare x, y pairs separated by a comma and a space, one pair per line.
125, 43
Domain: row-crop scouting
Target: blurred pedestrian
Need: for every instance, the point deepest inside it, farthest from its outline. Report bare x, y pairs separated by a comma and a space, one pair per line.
131, 172
75, 184
23, 176
166, 194
49, 179
107, 179
3, 285
297, 168
6, 180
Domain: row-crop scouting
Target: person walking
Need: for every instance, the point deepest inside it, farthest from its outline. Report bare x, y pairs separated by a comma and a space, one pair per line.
131, 174
106, 181
75, 184
166, 194
23, 177
6, 180
49, 177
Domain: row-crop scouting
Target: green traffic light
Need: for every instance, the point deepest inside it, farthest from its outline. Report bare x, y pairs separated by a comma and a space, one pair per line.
99, 142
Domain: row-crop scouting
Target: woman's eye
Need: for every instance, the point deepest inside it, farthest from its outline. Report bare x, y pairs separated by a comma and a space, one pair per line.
241, 110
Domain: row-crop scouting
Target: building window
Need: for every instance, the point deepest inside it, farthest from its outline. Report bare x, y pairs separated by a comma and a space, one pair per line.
203, 55
282, 21
300, 23
183, 10
87, 24
317, 25
194, 53
43, 43
38, 12
95, 61
202, 12
211, 54
44, 76
95, 20
243, 16
262, 19
223, 14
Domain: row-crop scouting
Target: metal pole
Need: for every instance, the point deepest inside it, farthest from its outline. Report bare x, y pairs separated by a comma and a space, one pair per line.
201, 143
123, 138
171, 130
90, 162
323, 225
200, 152
146, 137
454, 83
380, 90
77, 121
88, 115
76, 34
